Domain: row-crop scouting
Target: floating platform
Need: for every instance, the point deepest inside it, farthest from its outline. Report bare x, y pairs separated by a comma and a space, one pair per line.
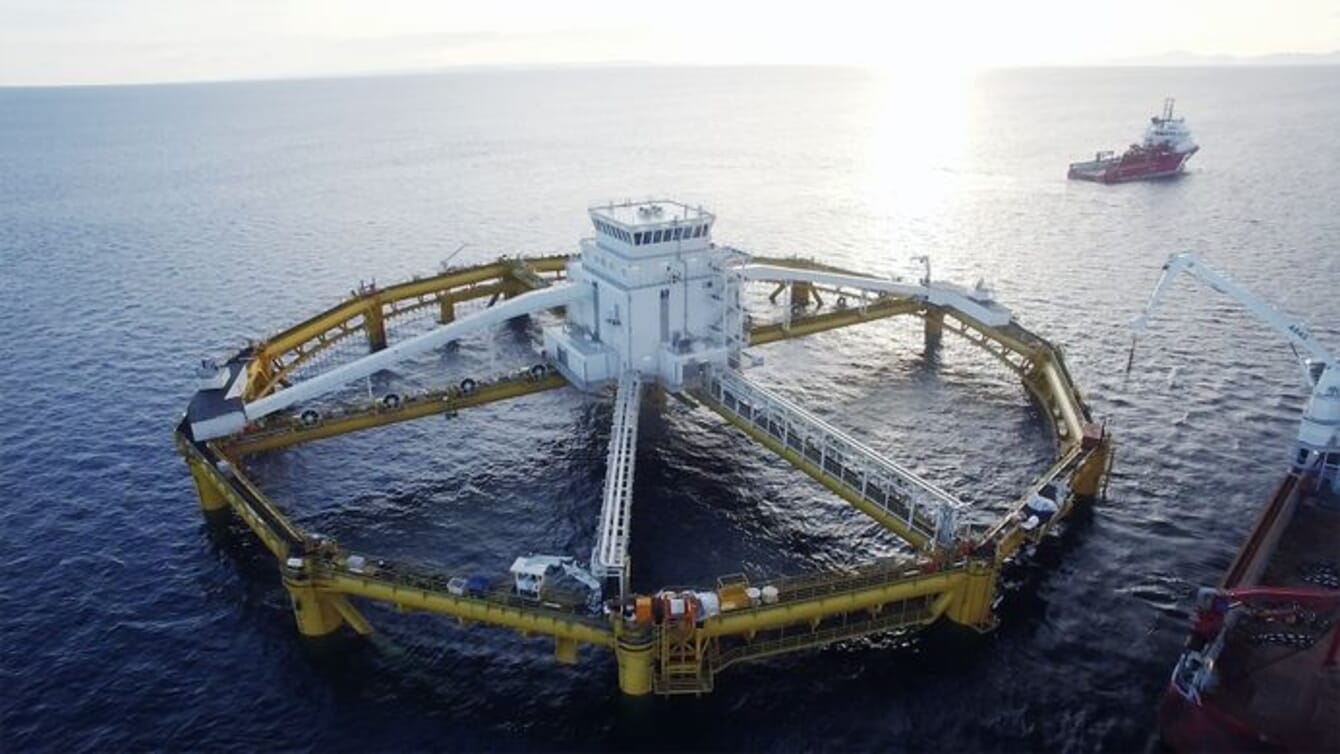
648, 302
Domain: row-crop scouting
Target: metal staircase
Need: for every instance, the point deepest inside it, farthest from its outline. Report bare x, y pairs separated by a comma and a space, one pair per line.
684, 661
733, 317
609, 559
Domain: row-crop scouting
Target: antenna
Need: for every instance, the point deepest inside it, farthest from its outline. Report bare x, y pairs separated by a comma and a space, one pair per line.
445, 264
925, 260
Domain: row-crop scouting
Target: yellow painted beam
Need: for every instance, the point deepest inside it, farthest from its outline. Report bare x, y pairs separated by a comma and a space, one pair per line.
803, 263
352, 617
801, 643
329, 319
275, 537
743, 622
1065, 399
553, 623
267, 508
880, 309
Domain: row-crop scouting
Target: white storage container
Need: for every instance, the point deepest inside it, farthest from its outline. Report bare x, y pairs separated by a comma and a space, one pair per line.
710, 602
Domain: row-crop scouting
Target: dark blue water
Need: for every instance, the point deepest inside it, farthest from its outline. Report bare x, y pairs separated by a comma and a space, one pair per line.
144, 227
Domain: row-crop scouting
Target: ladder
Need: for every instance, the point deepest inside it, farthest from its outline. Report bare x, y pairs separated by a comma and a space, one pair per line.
733, 318
683, 662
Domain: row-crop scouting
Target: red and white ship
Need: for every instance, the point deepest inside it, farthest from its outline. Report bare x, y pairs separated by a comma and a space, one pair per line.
1164, 152
1260, 670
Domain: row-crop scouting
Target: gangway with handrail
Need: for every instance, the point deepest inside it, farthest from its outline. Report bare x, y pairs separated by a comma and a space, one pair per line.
919, 512
609, 559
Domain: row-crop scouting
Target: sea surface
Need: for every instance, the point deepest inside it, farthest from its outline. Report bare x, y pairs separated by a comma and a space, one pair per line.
142, 228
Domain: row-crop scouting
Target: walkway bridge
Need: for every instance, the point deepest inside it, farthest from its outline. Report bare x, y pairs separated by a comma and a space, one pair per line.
609, 560
916, 510
281, 386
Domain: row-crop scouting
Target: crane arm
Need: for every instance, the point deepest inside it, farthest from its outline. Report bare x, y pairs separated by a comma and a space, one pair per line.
1293, 330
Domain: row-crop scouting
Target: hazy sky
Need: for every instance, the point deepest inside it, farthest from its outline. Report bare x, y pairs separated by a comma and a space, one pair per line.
110, 41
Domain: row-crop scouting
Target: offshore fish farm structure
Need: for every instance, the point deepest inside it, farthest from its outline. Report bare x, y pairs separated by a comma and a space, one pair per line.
649, 302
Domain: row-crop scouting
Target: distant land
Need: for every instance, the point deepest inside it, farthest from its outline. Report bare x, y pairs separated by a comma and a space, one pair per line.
1193, 59
1175, 59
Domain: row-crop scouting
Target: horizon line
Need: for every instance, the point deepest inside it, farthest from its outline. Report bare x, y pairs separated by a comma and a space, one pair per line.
1163, 60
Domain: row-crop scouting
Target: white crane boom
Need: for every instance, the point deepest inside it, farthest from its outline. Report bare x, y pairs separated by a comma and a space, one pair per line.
1293, 330
1317, 449
526, 303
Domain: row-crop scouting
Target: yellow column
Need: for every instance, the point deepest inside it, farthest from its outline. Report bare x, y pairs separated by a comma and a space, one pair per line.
972, 603
316, 613
1088, 479
260, 372
634, 654
565, 651
801, 293
448, 312
376, 326
212, 501
935, 327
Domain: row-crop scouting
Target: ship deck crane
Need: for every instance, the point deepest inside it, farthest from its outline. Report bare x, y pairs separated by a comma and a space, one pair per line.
1318, 445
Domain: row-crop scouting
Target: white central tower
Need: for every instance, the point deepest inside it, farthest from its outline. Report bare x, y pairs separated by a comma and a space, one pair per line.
664, 300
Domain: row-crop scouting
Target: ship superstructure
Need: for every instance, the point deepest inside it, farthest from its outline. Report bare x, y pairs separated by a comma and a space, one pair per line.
664, 301
1164, 151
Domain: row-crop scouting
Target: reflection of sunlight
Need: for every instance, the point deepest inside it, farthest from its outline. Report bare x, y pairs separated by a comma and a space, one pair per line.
917, 141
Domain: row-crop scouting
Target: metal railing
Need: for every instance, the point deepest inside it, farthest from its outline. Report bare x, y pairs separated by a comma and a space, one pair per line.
911, 613
427, 581
610, 557
921, 506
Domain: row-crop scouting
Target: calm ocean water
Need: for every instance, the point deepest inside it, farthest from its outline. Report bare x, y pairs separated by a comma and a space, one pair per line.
144, 227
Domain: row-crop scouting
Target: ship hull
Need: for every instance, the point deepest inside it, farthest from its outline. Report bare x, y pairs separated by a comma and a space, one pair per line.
1268, 697
1131, 167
